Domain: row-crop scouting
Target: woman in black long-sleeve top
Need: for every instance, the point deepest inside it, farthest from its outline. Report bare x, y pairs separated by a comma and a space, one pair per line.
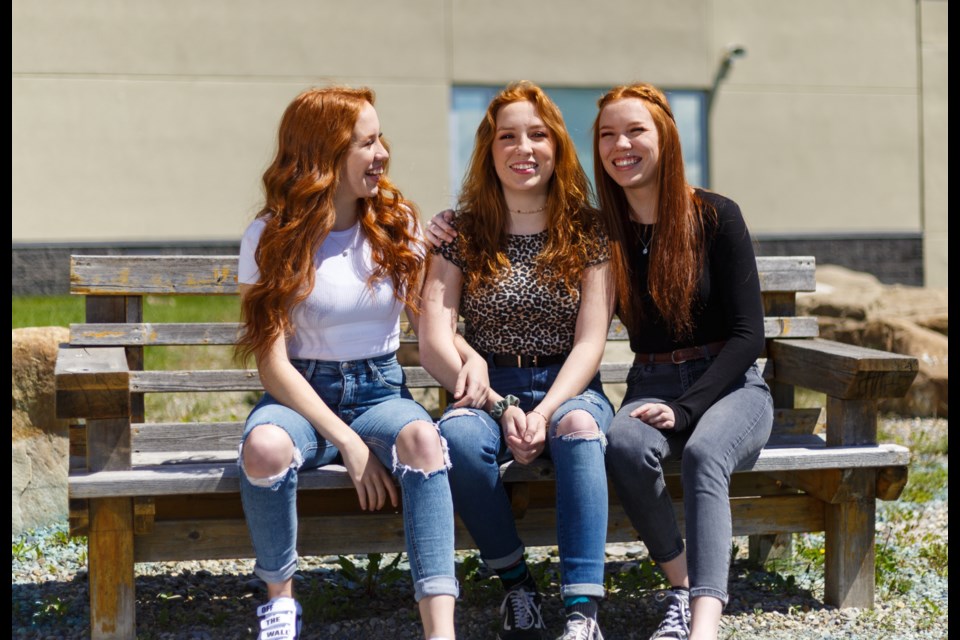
689, 296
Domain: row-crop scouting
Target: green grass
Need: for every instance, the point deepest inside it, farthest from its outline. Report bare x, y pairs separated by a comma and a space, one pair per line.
61, 311
46, 311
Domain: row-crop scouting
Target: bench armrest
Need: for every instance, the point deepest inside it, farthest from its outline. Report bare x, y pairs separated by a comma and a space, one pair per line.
842, 371
92, 383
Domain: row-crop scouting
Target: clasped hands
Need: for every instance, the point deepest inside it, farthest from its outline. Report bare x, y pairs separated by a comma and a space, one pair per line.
525, 433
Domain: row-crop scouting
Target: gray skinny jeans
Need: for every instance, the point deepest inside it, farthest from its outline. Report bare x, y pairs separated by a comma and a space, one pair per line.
730, 434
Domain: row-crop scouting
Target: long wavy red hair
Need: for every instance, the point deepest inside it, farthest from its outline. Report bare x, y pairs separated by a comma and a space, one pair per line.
676, 257
483, 211
299, 187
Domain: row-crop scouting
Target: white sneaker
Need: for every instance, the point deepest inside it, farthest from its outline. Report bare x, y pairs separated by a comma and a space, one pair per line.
280, 619
676, 620
580, 627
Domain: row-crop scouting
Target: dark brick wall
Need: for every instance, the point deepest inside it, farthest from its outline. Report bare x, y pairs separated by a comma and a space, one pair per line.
893, 259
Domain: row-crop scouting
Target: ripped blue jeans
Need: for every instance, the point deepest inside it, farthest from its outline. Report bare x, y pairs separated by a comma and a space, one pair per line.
370, 396
477, 448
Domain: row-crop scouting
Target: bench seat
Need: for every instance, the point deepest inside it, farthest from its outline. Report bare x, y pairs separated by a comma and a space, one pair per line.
144, 490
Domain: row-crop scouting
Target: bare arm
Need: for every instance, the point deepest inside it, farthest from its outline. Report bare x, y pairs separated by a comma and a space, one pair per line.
593, 322
438, 325
282, 381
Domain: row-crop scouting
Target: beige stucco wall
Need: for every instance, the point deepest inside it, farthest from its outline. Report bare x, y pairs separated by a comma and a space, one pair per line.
933, 47
154, 121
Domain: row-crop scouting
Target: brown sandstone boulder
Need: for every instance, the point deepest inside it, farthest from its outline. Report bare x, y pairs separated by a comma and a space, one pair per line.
856, 308
40, 441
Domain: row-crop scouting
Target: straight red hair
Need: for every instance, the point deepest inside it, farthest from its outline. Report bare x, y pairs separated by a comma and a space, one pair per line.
676, 256
482, 229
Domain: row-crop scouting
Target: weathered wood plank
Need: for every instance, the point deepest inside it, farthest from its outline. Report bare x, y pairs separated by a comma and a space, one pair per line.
217, 275
891, 481
111, 571
108, 445
154, 275
830, 485
841, 370
383, 532
225, 333
223, 476
787, 273
92, 383
213, 437
849, 560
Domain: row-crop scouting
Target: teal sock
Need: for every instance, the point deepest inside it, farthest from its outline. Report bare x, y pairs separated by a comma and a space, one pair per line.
581, 604
515, 575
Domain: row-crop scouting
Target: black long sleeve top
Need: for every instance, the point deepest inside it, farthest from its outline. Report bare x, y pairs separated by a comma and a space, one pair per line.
728, 306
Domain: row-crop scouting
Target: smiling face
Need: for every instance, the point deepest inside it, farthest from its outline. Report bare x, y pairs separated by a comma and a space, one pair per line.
523, 149
365, 159
629, 143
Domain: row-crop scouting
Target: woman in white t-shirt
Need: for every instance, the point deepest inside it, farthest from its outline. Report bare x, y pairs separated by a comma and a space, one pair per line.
325, 269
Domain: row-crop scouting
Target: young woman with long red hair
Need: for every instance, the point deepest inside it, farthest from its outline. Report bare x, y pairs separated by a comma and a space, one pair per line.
529, 272
325, 270
689, 295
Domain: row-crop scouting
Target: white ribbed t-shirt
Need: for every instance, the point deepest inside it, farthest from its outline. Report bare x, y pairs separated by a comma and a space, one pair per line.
343, 318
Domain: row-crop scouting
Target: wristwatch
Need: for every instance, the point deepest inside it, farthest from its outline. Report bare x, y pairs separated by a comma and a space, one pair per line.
501, 405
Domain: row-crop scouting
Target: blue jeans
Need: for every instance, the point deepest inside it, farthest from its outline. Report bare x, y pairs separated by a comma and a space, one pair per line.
729, 435
477, 448
369, 395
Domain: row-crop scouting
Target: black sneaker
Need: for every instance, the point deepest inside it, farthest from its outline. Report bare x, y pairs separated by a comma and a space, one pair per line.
676, 620
521, 615
280, 619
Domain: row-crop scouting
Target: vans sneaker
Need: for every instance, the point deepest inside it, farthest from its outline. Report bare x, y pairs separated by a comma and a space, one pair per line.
676, 620
280, 619
521, 615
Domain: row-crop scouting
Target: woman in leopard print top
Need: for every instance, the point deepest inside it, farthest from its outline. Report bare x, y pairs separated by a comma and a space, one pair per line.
529, 272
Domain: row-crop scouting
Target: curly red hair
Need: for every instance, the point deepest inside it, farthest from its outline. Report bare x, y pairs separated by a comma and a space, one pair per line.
482, 225
681, 214
299, 185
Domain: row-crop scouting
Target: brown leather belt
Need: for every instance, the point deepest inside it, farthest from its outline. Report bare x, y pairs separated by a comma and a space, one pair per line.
517, 361
681, 355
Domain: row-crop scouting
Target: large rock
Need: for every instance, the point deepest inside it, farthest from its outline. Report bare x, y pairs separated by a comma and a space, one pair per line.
856, 308
40, 457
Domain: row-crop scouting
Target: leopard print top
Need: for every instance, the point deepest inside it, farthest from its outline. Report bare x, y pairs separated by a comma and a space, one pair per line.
521, 313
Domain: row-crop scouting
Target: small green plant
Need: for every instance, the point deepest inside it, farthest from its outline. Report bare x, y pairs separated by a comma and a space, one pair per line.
638, 576
544, 573
887, 572
934, 613
925, 484
24, 550
935, 553
326, 600
50, 607
375, 575
477, 582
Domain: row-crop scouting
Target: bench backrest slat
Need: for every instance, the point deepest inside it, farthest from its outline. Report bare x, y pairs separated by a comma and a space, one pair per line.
192, 437
225, 333
217, 275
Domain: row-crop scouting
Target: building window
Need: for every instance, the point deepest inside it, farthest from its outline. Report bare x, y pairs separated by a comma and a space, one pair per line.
579, 107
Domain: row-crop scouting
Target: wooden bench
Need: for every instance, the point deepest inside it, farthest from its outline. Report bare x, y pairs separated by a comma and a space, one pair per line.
148, 491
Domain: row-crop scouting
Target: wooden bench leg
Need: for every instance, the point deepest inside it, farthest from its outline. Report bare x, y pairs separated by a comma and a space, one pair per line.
764, 548
111, 573
849, 555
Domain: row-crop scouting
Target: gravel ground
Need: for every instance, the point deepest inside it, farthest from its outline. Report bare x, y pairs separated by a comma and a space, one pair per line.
212, 600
